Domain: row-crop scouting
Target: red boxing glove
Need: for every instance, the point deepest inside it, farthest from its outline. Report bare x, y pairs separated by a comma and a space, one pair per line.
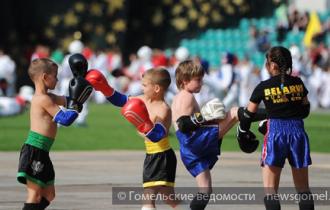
99, 82
136, 112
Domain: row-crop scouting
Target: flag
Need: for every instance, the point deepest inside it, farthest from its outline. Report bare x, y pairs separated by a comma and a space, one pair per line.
314, 26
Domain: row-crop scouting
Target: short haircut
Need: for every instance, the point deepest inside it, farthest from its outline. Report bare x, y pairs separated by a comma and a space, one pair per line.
158, 76
41, 65
186, 70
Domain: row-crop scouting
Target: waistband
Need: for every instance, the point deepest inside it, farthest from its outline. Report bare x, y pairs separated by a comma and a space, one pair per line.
282, 125
39, 141
160, 146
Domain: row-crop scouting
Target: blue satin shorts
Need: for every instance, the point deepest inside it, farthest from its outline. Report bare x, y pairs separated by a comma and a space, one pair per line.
199, 150
286, 139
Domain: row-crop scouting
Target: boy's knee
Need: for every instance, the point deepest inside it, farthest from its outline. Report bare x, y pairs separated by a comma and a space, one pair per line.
50, 197
233, 113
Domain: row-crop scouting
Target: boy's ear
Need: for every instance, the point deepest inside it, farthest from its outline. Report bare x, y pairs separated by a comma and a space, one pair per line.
157, 88
43, 76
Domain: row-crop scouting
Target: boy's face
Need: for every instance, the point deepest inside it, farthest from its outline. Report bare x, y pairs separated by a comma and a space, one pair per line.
148, 88
194, 85
51, 79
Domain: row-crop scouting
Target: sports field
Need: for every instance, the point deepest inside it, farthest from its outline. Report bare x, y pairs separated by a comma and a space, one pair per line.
108, 130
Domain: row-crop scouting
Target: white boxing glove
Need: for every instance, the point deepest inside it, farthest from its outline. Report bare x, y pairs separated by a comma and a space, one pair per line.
214, 110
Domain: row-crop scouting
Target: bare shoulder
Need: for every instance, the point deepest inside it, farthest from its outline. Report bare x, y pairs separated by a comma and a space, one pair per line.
184, 103
165, 109
42, 100
184, 98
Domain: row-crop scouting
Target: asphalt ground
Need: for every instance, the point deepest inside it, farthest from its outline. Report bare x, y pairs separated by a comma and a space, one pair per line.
87, 179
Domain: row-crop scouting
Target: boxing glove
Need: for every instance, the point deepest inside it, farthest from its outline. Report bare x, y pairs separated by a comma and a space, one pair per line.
79, 91
247, 140
136, 112
99, 82
212, 110
78, 65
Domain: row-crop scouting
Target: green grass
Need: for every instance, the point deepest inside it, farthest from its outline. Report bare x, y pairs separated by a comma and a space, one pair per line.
108, 129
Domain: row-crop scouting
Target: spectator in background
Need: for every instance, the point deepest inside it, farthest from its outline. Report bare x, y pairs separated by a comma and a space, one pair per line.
244, 72
264, 41
315, 82
325, 89
303, 22
180, 54
144, 63
159, 58
41, 51
282, 22
205, 93
57, 56
8, 73
252, 44
115, 70
123, 76
100, 63
17, 105
294, 19
221, 81
115, 60
297, 65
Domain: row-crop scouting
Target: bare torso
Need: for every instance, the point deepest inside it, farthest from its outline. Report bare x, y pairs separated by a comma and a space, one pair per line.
41, 121
158, 112
182, 106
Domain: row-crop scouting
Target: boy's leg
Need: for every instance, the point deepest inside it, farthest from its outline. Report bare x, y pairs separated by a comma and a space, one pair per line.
34, 192
170, 199
34, 195
202, 198
271, 179
31, 206
48, 194
149, 194
301, 182
226, 124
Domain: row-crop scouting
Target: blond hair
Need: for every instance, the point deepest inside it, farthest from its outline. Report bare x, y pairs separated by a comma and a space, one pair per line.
186, 70
41, 65
158, 76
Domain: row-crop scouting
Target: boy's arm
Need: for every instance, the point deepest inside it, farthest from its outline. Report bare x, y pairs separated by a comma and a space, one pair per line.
63, 118
136, 112
59, 100
212, 110
164, 117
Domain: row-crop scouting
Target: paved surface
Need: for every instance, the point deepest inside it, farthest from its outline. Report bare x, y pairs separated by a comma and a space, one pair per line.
84, 180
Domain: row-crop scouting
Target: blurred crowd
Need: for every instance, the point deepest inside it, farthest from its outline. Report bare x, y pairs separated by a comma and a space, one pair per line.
232, 81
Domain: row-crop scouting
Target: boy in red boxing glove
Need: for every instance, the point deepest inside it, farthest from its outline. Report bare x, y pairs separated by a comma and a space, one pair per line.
152, 116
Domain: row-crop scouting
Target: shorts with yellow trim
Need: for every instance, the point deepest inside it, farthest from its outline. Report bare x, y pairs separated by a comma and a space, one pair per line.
159, 167
34, 162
